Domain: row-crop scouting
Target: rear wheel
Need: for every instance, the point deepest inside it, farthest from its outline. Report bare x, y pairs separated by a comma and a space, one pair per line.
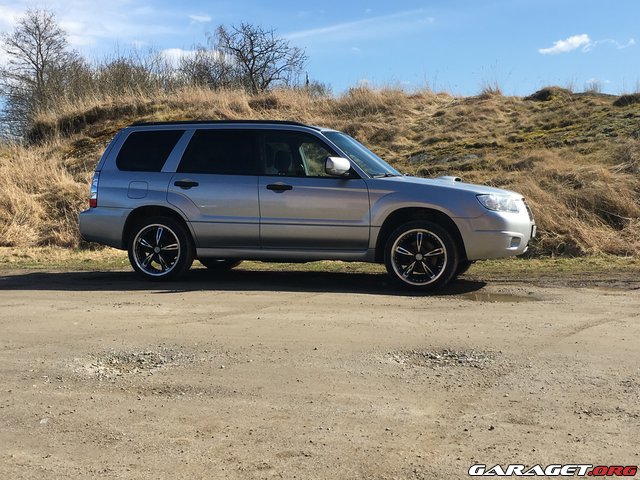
421, 255
219, 265
160, 248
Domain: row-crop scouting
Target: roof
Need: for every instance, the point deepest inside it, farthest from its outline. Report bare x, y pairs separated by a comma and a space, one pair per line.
224, 122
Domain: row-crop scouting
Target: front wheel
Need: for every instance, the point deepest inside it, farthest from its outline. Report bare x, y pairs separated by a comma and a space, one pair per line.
160, 248
421, 255
463, 266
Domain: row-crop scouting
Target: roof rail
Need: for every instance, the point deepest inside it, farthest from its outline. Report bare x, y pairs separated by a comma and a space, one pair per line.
217, 122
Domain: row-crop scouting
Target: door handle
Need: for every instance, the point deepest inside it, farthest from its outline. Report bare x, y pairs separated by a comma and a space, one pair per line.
279, 187
185, 184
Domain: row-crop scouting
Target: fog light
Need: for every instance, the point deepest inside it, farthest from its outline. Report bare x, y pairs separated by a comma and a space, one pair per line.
515, 242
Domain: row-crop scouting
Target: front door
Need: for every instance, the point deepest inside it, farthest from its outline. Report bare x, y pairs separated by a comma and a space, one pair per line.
301, 207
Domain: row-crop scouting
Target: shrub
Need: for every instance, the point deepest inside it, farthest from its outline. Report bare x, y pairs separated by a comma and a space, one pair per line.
549, 93
625, 100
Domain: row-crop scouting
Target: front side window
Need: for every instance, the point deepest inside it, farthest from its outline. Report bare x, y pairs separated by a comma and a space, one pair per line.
294, 154
224, 152
147, 151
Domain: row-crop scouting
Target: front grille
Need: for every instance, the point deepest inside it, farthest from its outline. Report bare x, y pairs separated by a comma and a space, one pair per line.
529, 212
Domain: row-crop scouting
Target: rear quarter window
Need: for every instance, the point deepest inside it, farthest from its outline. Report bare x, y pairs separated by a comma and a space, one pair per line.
147, 151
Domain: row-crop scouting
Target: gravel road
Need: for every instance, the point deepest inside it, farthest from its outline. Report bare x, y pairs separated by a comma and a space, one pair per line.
310, 375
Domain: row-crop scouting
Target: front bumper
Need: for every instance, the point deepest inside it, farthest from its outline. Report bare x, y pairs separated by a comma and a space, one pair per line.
496, 234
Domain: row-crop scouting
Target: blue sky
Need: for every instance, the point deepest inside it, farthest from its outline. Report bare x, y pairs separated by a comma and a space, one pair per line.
456, 46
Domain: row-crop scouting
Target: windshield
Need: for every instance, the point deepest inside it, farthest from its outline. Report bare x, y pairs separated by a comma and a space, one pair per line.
362, 156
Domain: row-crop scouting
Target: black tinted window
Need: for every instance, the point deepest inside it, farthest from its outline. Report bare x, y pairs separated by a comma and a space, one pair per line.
147, 151
227, 152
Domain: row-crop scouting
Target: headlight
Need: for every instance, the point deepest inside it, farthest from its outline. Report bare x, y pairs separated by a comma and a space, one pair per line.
500, 203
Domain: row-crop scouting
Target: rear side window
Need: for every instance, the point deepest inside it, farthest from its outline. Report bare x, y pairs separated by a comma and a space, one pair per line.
225, 152
147, 151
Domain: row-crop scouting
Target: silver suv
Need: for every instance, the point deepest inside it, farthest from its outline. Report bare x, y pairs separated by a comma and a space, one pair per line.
227, 191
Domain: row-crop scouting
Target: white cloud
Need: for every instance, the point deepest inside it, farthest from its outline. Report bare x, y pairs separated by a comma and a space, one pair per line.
9, 17
139, 44
78, 33
608, 41
89, 22
597, 80
4, 58
567, 45
577, 41
368, 27
630, 43
200, 18
173, 55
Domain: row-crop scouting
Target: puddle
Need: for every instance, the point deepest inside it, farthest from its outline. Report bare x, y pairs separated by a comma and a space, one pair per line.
445, 358
499, 297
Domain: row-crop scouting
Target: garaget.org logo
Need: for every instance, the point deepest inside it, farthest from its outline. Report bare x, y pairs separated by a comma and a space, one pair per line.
553, 470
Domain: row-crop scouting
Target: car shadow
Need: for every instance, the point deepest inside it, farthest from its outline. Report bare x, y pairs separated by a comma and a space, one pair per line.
234, 281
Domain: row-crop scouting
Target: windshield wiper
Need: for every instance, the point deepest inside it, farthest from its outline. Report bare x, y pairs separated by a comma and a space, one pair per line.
386, 174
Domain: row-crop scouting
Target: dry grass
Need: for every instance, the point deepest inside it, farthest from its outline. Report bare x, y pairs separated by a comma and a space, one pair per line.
581, 208
576, 157
39, 196
54, 258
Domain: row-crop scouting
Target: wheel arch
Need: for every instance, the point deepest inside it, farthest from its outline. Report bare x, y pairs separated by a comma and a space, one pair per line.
403, 215
148, 211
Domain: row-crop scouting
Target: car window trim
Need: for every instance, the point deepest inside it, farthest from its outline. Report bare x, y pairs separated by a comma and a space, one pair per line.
171, 165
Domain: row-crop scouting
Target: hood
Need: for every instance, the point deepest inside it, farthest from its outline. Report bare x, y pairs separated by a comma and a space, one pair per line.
452, 183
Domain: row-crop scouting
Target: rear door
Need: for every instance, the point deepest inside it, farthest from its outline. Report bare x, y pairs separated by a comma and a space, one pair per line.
301, 206
216, 186
137, 177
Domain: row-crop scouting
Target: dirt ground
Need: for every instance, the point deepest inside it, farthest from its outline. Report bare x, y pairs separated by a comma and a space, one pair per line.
311, 375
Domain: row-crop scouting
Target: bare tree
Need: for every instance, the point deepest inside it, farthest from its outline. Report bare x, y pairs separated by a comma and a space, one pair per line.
209, 68
37, 50
264, 59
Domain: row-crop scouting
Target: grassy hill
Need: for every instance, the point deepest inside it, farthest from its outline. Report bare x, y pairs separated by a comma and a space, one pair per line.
576, 157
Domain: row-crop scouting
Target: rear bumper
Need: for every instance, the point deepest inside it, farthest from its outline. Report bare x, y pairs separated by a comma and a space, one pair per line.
496, 235
104, 225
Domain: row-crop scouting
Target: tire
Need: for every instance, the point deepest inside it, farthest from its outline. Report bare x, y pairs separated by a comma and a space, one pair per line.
219, 265
421, 255
463, 266
160, 248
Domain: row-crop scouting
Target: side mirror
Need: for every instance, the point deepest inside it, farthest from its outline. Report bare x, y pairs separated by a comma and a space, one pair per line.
337, 166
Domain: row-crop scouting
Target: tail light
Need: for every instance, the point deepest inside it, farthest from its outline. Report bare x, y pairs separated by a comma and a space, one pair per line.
93, 191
